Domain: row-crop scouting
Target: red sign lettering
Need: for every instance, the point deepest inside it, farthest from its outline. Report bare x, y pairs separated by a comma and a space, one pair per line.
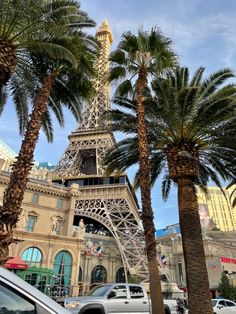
228, 260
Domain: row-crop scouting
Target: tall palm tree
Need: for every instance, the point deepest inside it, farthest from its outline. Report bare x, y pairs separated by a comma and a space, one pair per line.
31, 25
191, 125
136, 58
56, 81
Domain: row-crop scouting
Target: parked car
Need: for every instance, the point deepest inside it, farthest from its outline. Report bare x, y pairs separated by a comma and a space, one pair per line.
223, 306
17, 296
115, 298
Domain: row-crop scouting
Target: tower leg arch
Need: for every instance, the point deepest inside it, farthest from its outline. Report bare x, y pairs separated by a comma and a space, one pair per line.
116, 215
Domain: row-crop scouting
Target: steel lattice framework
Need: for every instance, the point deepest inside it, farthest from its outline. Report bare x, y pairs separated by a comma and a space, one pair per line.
84, 157
116, 215
101, 102
90, 142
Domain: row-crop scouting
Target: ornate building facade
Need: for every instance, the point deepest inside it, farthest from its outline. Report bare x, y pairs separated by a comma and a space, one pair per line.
220, 253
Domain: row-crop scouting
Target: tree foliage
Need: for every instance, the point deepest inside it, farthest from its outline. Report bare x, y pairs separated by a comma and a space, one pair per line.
42, 30
226, 289
197, 112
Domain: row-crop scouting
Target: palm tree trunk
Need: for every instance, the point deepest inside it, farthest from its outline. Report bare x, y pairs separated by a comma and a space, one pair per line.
194, 256
147, 212
14, 193
7, 61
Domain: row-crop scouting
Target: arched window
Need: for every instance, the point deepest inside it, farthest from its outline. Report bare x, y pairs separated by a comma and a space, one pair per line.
32, 256
99, 274
120, 275
62, 268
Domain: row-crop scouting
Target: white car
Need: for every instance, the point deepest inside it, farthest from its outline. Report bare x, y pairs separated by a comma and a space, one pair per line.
223, 306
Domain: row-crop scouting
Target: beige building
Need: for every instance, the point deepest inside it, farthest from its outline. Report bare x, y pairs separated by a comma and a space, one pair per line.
50, 235
216, 208
220, 252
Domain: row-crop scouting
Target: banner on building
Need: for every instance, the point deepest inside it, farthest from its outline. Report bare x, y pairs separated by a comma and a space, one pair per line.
212, 264
204, 216
228, 260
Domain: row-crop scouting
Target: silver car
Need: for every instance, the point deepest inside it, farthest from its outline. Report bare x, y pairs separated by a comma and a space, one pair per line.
223, 306
19, 297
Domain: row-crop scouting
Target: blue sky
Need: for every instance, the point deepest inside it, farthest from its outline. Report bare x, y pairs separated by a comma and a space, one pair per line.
203, 34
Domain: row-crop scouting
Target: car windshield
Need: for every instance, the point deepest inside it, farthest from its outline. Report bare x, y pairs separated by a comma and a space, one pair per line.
213, 302
99, 291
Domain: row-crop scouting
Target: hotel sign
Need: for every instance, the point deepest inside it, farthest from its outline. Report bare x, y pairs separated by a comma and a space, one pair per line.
228, 260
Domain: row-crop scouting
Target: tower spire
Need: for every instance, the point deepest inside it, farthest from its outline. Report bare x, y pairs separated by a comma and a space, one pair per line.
101, 102
90, 141
103, 31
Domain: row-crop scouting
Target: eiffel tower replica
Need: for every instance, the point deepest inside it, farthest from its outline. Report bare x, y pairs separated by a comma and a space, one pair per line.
108, 200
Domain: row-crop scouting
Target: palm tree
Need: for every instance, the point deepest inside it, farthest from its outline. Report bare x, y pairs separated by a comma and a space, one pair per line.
56, 81
31, 25
191, 124
135, 60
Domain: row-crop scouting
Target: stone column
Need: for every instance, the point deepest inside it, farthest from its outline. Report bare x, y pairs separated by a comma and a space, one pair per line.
73, 192
74, 282
87, 270
49, 261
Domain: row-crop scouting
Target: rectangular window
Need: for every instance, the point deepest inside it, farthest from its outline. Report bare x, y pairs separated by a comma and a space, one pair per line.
118, 292
136, 292
31, 278
180, 269
58, 227
122, 180
35, 198
81, 182
30, 223
59, 203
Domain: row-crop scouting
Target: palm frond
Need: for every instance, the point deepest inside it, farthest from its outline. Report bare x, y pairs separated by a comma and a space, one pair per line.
47, 126
3, 98
210, 85
125, 88
52, 51
165, 187
197, 77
